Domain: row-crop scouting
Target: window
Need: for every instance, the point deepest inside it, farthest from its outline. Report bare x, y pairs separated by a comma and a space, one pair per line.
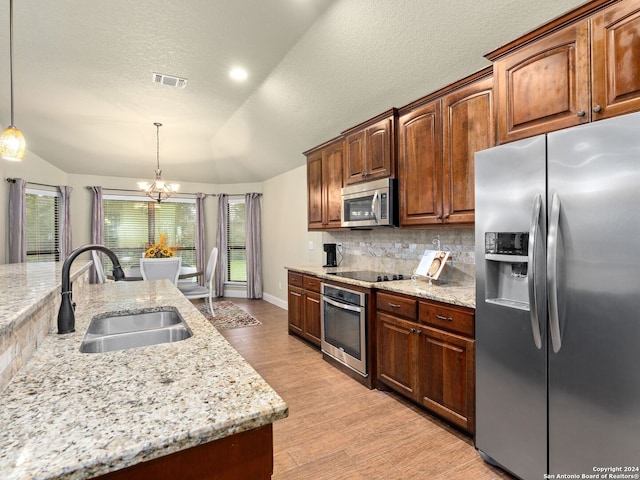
236, 244
131, 224
42, 225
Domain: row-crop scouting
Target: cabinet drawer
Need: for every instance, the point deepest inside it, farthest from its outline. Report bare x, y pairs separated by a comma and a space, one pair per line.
312, 283
396, 305
295, 279
447, 318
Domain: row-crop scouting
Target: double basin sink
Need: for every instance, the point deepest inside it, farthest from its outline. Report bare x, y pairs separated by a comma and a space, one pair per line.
109, 332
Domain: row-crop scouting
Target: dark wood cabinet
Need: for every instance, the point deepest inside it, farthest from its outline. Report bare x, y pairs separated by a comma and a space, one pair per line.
447, 357
324, 181
420, 165
428, 355
543, 86
615, 47
304, 307
437, 140
315, 190
467, 128
371, 149
581, 67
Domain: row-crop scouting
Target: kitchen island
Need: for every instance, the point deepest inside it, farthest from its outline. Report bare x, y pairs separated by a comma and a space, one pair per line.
73, 415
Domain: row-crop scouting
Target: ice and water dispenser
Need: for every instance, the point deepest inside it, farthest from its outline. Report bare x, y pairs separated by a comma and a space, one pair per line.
506, 256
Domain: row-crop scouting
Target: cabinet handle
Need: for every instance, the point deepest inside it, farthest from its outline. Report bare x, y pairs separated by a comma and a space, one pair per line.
581, 113
413, 330
446, 215
444, 319
419, 332
597, 109
394, 305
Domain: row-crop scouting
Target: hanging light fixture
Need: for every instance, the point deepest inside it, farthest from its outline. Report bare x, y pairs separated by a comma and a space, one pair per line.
12, 144
158, 190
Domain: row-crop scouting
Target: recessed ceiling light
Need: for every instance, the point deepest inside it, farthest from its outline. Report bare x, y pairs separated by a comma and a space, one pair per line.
238, 74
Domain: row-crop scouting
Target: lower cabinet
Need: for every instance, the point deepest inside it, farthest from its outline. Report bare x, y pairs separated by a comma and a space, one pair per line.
426, 352
304, 307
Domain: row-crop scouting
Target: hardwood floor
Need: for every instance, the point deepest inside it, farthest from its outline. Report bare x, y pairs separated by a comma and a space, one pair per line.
337, 428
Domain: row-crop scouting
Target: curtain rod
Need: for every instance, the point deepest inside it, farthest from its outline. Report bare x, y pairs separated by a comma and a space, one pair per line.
13, 180
179, 193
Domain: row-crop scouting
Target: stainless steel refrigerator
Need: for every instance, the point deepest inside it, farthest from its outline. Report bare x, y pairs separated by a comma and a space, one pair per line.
558, 301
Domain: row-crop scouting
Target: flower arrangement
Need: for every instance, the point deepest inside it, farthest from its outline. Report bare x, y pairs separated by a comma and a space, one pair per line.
160, 249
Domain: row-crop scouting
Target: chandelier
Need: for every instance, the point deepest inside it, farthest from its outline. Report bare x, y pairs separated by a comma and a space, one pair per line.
12, 144
158, 190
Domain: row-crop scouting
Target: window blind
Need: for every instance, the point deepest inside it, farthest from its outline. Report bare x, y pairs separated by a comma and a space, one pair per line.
42, 227
236, 243
132, 224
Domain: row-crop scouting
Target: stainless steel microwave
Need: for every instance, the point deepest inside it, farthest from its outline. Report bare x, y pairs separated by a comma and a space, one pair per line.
370, 204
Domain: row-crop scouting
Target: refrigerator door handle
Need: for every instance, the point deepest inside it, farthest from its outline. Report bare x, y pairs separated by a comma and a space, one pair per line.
531, 278
552, 285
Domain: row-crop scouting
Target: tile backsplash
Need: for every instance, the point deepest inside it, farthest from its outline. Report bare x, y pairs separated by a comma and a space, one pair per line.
400, 250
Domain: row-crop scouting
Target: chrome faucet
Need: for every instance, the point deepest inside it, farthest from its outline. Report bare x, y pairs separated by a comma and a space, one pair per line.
66, 314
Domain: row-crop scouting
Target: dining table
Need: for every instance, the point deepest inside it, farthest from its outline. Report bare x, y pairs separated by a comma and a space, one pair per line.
133, 274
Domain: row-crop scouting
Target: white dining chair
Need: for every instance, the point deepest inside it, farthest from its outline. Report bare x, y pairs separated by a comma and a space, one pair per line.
206, 291
97, 264
161, 268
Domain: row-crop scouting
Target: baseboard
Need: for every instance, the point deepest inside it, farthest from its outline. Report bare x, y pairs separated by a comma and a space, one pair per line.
278, 302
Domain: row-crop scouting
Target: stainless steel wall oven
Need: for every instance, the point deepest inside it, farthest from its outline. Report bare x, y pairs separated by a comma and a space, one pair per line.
344, 327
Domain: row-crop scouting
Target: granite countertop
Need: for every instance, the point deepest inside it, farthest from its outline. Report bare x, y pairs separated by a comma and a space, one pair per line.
463, 295
26, 286
73, 415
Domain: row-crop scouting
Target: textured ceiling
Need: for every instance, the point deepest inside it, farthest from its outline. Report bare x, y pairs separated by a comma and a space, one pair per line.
85, 100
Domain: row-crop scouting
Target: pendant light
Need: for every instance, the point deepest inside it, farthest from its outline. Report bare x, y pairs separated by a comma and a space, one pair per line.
12, 144
158, 190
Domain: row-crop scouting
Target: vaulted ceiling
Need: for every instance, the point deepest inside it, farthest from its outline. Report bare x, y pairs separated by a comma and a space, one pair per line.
86, 102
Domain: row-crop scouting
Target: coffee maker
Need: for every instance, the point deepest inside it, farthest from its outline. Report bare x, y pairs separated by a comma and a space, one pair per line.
330, 250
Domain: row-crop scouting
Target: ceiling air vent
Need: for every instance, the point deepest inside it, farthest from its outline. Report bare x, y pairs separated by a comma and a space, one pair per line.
169, 80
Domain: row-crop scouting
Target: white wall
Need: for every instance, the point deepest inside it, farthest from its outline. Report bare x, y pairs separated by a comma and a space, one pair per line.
285, 237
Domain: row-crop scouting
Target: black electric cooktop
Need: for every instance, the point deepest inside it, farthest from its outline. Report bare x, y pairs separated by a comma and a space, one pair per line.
369, 276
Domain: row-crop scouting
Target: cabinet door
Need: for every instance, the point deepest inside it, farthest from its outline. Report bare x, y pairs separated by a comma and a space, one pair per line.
314, 190
420, 165
379, 145
355, 167
332, 177
446, 376
312, 317
397, 354
296, 310
615, 46
467, 128
544, 86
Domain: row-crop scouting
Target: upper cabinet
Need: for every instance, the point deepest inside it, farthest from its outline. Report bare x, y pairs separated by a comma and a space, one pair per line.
324, 182
467, 128
581, 67
615, 46
371, 149
437, 140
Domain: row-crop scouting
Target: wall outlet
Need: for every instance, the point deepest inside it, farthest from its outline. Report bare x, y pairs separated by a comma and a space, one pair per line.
310, 244
279, 285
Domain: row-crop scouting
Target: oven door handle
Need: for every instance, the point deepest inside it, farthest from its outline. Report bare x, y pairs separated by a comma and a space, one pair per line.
344, 306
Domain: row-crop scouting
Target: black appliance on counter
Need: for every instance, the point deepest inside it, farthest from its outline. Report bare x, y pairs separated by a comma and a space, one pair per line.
330, 250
